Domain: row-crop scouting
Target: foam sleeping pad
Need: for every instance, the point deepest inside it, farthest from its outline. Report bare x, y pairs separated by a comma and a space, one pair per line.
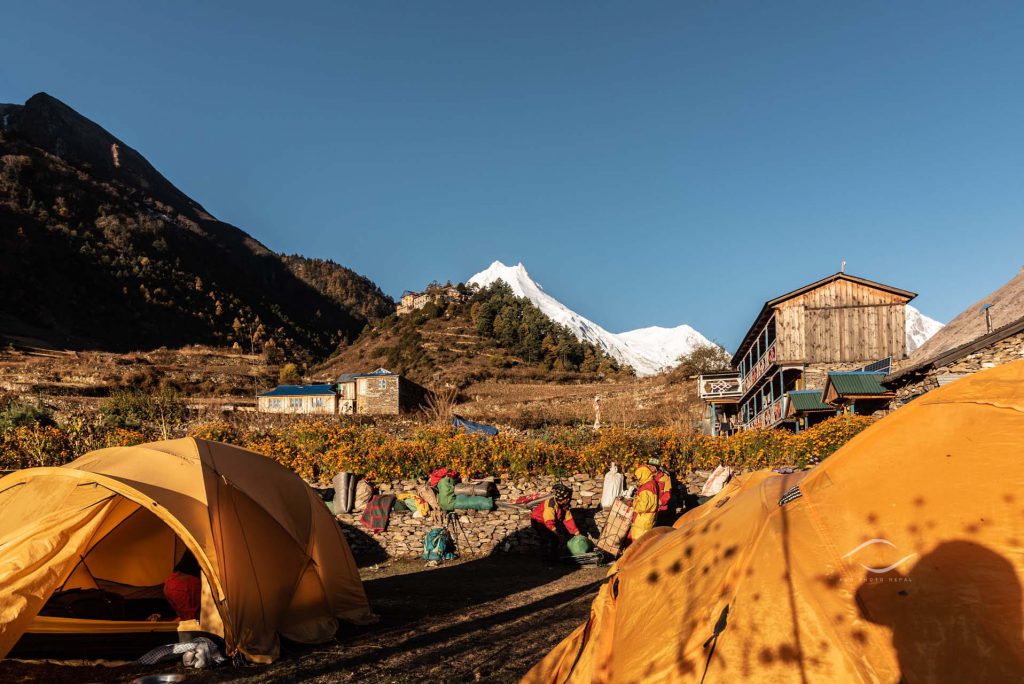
484, 488
473, 503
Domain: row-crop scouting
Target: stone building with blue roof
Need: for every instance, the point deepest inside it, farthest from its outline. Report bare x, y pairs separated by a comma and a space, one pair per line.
377, 393
311, 399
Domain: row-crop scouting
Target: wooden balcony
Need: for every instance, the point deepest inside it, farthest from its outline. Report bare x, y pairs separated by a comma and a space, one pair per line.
770, 415
722, 386
760, 367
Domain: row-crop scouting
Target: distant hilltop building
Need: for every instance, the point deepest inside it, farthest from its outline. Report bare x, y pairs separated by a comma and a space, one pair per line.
378, 393
819, 350
439, 294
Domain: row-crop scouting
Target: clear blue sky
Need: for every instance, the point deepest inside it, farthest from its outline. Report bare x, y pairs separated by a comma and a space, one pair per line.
650, 163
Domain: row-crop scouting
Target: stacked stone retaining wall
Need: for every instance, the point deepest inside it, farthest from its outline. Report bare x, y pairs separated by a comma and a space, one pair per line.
482, 533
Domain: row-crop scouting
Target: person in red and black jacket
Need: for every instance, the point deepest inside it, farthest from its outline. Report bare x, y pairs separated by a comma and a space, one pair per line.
552, 521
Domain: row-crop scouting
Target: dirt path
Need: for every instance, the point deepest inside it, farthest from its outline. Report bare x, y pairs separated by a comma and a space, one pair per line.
484, 620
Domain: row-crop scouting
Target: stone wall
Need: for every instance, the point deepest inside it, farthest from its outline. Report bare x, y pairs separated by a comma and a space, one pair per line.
478, 533
816, 374
481, 533
374, 400
996, 354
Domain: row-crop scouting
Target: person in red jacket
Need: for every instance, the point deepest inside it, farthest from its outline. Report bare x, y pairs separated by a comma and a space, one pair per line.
183, 588
663, 479
552, 521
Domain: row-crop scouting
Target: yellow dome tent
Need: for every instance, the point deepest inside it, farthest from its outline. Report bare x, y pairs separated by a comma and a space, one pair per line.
273, 559
900, 558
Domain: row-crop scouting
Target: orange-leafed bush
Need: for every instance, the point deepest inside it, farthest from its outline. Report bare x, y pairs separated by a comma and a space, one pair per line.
318, 448
33, 446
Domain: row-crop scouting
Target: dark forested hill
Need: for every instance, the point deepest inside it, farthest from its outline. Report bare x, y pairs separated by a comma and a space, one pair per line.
98, 250
354, 292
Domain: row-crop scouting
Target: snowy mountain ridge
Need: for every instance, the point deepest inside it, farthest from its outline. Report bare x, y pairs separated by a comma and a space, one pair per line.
648, 350
919, 328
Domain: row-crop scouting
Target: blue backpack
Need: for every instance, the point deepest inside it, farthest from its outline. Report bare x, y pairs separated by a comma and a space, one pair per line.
438, 546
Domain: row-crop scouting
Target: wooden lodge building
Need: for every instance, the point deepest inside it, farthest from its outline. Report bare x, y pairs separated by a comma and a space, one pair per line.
839, 335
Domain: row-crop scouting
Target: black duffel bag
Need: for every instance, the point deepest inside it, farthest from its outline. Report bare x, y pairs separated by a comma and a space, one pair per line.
85, 604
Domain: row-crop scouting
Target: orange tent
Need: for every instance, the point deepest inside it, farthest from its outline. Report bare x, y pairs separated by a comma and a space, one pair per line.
273, 559
900, 558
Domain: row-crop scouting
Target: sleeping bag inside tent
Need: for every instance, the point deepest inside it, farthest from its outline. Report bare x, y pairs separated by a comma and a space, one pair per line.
899, 558
85, 550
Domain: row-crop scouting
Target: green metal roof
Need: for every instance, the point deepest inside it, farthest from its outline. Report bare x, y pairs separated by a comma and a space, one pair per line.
856, 383
808, 400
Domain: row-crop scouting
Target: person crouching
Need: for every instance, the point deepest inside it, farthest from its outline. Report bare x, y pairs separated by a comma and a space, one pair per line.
552, 521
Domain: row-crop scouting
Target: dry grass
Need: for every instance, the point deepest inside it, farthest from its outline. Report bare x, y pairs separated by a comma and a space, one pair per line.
631, 403
440, 406
68, 380
525, 398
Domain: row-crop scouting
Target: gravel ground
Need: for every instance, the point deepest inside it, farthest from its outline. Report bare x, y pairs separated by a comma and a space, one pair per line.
486, 619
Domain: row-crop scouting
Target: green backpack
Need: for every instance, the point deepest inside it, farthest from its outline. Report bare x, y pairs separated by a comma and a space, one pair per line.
579, 545
446, 494
438, 546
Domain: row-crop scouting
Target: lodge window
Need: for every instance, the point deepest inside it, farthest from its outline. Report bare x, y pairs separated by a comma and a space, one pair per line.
318, 402
382, 384
295, 403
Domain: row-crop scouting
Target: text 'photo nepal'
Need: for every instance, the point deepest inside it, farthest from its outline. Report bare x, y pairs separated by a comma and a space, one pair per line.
542, 343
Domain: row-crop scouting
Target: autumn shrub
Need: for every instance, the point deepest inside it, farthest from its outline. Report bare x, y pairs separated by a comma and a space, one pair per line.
164, 409
38, 445
319, 448
15, 414
316, 449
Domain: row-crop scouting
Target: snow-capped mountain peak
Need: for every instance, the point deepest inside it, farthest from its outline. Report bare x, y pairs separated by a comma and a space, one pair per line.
919, 328
647, 350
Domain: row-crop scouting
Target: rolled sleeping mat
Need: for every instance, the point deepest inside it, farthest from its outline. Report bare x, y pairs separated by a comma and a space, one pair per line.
484, 488
344, 492
473, 503
364, 492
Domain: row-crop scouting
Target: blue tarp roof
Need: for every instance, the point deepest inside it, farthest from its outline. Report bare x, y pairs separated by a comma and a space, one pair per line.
298, 391
469, 426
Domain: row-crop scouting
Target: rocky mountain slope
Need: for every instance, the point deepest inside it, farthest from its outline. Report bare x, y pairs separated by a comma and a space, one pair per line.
102, 252
1004, 306
647, 350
